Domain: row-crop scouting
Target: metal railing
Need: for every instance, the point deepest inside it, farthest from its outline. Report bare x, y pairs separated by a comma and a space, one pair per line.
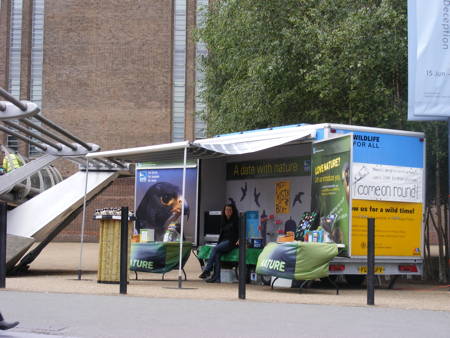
23, 120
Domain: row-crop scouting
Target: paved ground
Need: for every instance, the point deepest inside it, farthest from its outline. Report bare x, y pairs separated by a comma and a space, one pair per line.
74, 315
50, 300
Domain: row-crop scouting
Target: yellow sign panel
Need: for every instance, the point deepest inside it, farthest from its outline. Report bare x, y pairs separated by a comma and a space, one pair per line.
379, 270
397, 227
282, 198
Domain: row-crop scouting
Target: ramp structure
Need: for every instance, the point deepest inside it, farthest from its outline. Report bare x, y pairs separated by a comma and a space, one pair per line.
46, 210
38, 218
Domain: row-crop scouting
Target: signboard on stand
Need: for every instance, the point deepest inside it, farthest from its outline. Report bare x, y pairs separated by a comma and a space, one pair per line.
159, 196
330, 163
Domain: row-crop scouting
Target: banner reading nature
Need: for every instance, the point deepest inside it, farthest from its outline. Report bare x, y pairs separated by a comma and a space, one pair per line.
330, 165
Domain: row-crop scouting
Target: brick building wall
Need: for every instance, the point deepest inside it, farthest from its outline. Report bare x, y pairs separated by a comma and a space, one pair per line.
107, 78
4, 45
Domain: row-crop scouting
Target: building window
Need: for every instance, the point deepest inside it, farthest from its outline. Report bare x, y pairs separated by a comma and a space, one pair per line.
200, 51
14, 60
37, 56
179, 71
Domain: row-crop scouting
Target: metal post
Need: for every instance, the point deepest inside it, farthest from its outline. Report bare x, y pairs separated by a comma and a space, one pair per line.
62, 131
83, 221
242, 265
13, 100
123, 250
370, 261
3, 245
183, 189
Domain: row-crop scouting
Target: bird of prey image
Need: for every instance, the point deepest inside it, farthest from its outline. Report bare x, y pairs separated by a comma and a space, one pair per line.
298, 198
161, 203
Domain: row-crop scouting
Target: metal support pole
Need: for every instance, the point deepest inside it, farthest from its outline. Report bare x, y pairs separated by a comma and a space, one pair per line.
117, 163
62, 131
183, 190
3, 244
12, 99
84, 218
23, 138
242, 249
370, 261
32, 134
47, 133
106, 163
123, 250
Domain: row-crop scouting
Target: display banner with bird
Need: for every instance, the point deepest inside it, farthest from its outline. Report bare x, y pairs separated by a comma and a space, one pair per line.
159, 201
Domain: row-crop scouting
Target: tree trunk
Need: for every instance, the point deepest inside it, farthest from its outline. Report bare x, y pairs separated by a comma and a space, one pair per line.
438, 226
427, 272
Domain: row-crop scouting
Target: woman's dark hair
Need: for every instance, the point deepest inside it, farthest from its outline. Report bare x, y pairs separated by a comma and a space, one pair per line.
234, 215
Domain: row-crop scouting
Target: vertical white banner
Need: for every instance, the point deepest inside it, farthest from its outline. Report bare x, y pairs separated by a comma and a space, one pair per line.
429, 59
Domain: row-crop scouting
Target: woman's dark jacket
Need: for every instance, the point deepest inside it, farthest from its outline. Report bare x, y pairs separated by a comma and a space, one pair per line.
229, 230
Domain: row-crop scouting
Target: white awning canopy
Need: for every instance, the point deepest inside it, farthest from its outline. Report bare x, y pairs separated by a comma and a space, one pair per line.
232, 144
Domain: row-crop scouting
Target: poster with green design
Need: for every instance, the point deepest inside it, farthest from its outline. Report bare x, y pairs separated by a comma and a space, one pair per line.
330, 163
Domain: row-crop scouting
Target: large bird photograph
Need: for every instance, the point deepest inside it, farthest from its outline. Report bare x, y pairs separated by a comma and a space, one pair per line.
159, 201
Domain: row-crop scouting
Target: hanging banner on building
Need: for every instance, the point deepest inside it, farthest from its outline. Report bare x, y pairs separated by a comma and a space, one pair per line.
330, 165
159, 197
387, 183
428, 59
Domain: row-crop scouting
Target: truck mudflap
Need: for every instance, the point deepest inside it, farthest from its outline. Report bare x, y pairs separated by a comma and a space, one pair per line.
358, 266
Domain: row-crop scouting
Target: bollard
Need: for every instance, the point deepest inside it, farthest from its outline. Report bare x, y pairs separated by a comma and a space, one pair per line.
3, 245
123, 250
242, 265
370, 261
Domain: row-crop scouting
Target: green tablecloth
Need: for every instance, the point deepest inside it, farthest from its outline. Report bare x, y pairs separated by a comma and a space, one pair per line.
296, 260
251, 255
158, 257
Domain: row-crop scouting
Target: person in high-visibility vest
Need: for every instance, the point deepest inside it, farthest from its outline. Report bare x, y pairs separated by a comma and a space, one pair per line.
11, 161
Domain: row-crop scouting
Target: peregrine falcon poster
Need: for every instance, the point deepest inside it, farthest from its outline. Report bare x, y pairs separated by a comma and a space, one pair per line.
159, 201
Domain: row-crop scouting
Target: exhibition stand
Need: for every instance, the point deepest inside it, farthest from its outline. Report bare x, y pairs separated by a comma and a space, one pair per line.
297, 260
312, 183
158, 257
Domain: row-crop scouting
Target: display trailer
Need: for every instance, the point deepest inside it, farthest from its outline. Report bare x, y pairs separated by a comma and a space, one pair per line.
318, 183
346, 174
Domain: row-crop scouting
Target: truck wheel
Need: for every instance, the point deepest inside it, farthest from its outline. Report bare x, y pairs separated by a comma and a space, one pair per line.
355, 280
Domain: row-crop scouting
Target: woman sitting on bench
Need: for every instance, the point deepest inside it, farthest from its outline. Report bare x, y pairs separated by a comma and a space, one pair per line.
228, 240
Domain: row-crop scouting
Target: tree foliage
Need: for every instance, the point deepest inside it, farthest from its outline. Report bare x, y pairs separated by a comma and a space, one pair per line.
289, 61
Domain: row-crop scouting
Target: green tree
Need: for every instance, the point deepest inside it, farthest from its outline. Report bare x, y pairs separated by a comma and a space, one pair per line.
288, 61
